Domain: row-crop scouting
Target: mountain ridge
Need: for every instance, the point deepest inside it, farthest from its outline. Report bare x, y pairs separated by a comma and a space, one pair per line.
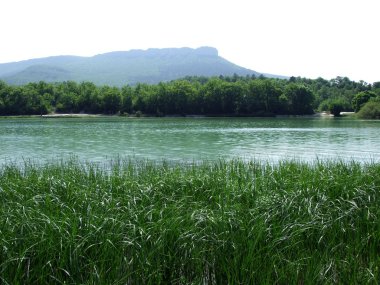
120, 68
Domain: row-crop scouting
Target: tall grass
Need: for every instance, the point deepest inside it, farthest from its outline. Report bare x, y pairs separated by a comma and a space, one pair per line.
224, 222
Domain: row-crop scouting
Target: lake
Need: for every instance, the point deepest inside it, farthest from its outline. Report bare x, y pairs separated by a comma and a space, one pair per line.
186, 139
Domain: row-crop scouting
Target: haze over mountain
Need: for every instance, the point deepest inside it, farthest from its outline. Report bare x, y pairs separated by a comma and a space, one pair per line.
124, 67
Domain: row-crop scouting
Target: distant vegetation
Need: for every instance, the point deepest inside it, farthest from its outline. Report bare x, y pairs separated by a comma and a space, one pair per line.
232, 96
223, 222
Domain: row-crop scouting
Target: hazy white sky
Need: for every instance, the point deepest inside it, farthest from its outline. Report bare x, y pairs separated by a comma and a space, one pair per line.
308, 38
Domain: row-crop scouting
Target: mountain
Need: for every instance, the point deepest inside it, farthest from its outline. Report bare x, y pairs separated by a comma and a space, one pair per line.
123, 67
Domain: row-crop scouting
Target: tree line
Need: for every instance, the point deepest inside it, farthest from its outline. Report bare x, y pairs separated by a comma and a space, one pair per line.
233, 95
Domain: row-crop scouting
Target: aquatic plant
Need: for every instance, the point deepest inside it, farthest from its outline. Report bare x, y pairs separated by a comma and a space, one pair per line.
223, 222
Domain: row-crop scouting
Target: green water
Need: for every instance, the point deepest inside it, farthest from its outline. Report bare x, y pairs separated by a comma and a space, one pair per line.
104, 138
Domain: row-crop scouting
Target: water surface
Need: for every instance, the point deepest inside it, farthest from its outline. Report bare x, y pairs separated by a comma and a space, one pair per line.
103, 138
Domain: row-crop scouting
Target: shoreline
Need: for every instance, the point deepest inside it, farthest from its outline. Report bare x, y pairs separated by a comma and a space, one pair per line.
86, 115
74, 115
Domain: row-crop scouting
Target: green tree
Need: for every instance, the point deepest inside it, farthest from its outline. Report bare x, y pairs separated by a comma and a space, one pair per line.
18, 101
67, 97
298, 99
139, 97
4, 94
126, 99
36, 104
194, 98
212, 94
89, 98
231, 95
111, 100
336, 106
256, 97
68, 103
370, 110
361, 98
178, 94
193, 95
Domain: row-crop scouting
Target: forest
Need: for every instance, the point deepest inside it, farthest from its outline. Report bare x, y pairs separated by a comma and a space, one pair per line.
213, 96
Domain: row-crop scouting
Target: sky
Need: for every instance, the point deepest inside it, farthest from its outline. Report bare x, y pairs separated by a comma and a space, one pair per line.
307, 38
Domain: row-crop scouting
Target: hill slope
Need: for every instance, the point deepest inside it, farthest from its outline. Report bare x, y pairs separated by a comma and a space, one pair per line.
123, 67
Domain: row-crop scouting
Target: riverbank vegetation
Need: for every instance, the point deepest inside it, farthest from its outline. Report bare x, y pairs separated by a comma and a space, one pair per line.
235, 222
232, 96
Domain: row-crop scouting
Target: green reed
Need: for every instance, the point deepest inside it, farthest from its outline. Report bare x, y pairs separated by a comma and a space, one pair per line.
223, 222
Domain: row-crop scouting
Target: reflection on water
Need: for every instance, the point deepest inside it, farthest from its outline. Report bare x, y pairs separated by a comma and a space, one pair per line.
99, 139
